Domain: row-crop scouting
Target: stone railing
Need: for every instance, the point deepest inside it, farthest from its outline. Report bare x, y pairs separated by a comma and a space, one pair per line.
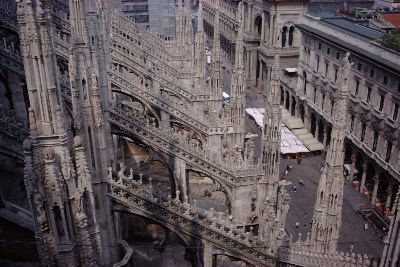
59, 12
121, 51
148, 46
11, 59
163, 102
124, 27
150, 202
61, 45
12, 134
8, 14
18, 215
169, 142
311, 258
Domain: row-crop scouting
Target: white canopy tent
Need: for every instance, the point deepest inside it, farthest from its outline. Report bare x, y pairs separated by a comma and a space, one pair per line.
290, 144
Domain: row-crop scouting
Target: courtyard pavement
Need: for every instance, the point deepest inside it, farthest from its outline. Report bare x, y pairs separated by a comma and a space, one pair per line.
302, 207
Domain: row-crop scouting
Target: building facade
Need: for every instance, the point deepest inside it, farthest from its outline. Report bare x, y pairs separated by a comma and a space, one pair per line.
155, 15
372, 135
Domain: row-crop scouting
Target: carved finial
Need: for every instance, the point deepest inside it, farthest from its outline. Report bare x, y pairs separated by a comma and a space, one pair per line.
78, 141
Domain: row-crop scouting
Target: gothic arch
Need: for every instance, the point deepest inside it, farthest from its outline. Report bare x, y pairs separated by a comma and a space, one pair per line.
321, 130
301, 111
313, 124
287, 101
293, 106
194, 137
284, 33
223, 187
382, 187
348, 152
155, 155
124, 95
370, 175
258, 24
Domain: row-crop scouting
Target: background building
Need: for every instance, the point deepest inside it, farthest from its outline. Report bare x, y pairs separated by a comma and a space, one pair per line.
156, 15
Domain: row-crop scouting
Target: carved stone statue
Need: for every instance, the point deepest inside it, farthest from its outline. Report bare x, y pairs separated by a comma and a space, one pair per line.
346, 67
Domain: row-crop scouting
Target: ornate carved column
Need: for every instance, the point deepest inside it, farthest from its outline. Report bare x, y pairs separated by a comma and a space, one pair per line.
363, 177
271, 28
207, 255
375, 191
260, 75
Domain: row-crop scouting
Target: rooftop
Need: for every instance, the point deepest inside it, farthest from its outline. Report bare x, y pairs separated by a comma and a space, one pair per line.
393, 18
354, 28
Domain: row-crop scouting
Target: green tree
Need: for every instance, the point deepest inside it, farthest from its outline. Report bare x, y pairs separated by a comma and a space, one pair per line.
392, 40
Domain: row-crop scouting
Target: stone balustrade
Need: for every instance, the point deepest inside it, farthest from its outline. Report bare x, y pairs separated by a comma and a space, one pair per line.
146, 200
11, 58
61, 44
8, 14
12, 134
176, 108
150, 48
137, 61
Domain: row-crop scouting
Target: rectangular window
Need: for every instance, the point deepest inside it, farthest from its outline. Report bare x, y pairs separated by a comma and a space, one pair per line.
363, 127
328, 51
323, 101
371, 73
357, 87
317, 63
319, 46
385, 80
359, 66
388, 151
326, 69
336, 74
376, 136
332, 106
337, 55
381, 102
315, 94
352, 123
369, 91
395, 111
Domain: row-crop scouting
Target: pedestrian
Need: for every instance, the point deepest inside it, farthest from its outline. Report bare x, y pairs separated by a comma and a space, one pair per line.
286, 172
288, 167
301, 183
366, 226
298, 160
297, 224
294, 188
351, 248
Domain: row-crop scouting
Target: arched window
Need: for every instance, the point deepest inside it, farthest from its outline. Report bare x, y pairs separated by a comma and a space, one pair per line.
284, 32
305, 83
291, 31
84, 89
